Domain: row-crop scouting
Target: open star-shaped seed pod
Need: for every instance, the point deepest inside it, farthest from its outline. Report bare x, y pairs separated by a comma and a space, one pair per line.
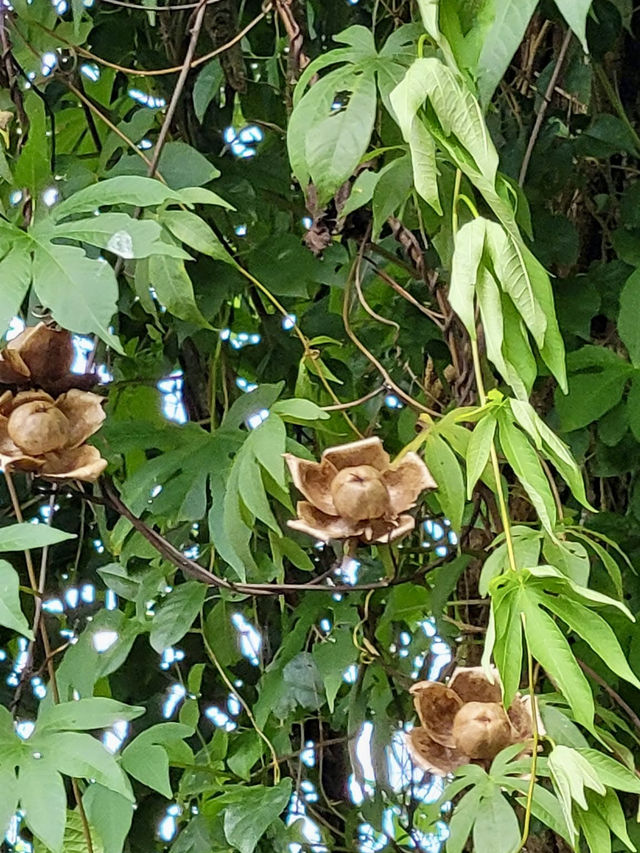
465, 722
48, 437
355, 491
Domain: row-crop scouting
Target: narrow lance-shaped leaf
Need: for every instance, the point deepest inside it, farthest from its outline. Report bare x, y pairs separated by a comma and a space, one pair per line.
442, 463
526, 466
551, 649
595, 631
467, 256
479, 449
508, 260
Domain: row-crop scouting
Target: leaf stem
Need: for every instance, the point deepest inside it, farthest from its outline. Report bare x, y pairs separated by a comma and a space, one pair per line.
536, 740
39, 623
248, 711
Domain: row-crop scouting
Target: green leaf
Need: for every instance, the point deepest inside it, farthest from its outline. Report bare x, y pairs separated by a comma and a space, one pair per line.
174, 289
391, 191
207, 87
462, 820
596, 831
147, 757
297, 410
252, 491
444, 466
555, 449
458, 112
33, 168
118, 233
467, 256
326, 144
479, 449
406, 100
361, 192
591, 394
43, 800
333, 657
268, 443
110, 814
19, 537
596, 632
246, 821
560, 727
514, 276
575, 13
501, 42
549, 646
11, 615
176, 614
75, 840
9, 799
132, 190
507, 647
81, 293
611, 772
630, 308
610, 810
81, 756
527, 468
83, 714
194, 231
15, 274
496, 826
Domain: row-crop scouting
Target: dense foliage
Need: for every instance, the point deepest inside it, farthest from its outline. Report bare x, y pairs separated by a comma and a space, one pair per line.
273, 229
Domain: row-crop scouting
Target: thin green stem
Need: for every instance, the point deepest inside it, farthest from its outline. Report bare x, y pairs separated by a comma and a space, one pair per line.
247, 709
534, 756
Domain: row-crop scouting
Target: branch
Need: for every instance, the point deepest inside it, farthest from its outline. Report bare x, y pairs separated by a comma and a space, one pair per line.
198, 572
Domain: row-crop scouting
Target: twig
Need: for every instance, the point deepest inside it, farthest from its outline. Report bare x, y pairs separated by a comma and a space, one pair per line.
617, 698
158, 72
338, 407
543, 108
177, 92
370, 356
198, 572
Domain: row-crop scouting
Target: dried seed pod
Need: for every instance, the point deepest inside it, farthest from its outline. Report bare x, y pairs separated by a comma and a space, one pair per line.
355, 491
482, 729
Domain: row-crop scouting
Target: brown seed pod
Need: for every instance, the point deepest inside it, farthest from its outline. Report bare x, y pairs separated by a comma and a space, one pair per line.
482, 729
